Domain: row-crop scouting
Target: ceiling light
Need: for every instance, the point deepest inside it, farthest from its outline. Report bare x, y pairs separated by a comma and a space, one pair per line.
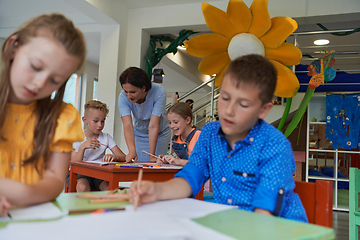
182, 47
321, 42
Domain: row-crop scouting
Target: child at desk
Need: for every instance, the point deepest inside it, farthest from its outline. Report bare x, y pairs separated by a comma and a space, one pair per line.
185, 134
37, 131
250, 162
94, 146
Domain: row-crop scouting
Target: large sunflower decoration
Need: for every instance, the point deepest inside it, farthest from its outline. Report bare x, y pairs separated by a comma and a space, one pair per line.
240, 31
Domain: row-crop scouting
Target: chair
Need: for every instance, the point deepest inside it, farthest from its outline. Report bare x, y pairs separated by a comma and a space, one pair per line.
354, 214
317, 199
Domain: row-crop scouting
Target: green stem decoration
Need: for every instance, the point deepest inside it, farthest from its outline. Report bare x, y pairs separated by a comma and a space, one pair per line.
300, 112
154, 55
285, 114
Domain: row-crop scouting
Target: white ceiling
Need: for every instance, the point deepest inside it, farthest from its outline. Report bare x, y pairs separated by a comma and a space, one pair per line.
15, 12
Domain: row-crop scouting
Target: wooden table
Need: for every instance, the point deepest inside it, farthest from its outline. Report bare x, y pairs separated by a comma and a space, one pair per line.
115, 174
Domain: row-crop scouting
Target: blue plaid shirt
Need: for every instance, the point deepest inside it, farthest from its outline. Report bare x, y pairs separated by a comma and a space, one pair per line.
257, 173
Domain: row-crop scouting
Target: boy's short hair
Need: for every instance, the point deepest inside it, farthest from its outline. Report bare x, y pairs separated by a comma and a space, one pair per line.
253, 69
94, 104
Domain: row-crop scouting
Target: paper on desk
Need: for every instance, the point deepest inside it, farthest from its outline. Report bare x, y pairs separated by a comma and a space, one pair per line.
99, 161
42, 211
181, 208
200, 232
111, 225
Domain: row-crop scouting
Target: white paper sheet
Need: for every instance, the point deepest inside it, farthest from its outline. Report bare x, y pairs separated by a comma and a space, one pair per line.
200, 232
111, 225
181, 208
42, 211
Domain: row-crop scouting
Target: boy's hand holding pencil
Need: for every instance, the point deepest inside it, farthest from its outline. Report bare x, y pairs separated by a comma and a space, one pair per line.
4, 206
141, 192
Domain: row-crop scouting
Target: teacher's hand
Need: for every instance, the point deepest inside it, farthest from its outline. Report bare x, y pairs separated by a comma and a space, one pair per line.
130, 157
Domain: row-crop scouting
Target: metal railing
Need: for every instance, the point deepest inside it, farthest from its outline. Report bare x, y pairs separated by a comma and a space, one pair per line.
207, 115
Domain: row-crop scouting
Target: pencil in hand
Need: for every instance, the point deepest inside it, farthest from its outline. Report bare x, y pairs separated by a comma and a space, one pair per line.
151, 154
137, 197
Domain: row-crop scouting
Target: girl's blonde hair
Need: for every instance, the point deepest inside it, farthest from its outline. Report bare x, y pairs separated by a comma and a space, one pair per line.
61, 29
182, 109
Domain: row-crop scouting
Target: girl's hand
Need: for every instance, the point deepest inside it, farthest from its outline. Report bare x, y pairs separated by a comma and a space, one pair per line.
177, 161
130, 157
169, 158
146, 193
161, 159
155, 160
108, 158
4, 206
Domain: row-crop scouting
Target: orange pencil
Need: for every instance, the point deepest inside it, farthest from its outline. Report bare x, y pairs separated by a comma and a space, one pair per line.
138, 186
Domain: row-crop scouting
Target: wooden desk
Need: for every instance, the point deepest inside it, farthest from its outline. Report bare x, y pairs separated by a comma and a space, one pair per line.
114, 174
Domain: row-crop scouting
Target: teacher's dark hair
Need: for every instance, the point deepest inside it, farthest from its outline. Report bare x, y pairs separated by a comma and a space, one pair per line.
136, 77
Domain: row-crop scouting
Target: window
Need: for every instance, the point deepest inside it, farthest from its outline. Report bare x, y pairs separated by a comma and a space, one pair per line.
95, 89
72, 91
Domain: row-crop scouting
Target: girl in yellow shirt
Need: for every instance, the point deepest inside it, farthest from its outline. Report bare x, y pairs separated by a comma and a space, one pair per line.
36, 132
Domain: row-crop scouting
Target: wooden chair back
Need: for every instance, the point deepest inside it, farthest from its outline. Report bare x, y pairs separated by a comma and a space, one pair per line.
354, 213
317, 199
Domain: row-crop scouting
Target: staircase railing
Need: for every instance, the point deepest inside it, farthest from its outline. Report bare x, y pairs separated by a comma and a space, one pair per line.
207, 115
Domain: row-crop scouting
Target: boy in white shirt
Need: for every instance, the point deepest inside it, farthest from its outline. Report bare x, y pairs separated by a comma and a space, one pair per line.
94, 146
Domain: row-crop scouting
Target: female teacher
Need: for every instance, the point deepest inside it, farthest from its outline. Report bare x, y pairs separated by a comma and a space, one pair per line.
149, 130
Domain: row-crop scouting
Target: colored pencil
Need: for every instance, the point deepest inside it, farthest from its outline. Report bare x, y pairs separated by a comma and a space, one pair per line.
93, 210
138, 186
151, 154
109, 200
129, 166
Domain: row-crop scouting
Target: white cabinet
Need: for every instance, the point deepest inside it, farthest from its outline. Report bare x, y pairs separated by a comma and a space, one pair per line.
319, 154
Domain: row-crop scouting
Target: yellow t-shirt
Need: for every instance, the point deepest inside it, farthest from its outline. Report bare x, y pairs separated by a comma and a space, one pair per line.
19, 131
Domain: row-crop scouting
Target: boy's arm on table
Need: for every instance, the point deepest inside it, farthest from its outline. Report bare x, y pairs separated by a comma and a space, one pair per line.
129, 138
153, 135
155, 191
47, 189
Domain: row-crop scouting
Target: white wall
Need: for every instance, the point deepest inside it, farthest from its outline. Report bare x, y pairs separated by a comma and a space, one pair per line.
141, 23
175, 82
87, 84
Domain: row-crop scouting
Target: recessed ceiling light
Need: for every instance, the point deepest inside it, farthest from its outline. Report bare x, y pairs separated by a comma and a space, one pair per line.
321, 42
182, 47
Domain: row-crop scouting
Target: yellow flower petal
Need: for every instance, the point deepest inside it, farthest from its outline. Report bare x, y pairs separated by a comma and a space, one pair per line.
214, 64
261, 21
219, 77
287, 83
206, 44
281, 28
239, 15
287, 54
217, 21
